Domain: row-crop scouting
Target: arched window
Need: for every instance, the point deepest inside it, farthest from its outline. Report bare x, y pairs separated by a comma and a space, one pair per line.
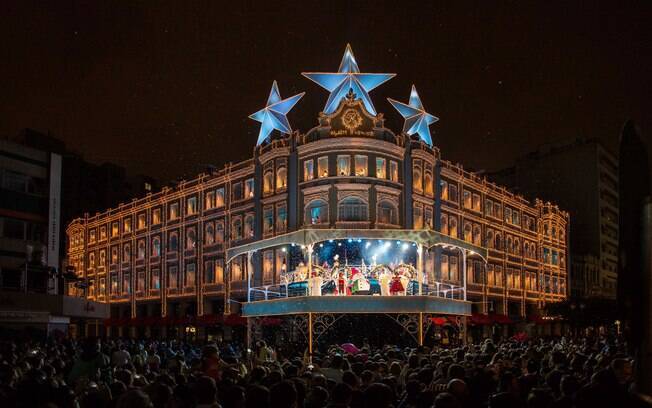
249, 226
156, 246
554, 232
102, 257
316, 212
468, 232
173, 244
191, 238
387, 213
477, 235
444, 224
517, 246
526, 249
236, 229
417, 182
281, 178
209, 234
91, 260
126, 253
509, 245
219, 232
499, 241
352, 209
546, 228
427, 181
114, 255
490, 238
141, 249
453, 227
268, 182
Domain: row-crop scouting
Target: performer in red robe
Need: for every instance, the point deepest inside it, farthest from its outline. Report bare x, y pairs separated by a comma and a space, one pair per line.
396, 287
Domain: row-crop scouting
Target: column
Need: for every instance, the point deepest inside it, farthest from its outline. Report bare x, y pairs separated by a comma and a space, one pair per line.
250, 271
463, 251
420, 269
227, 288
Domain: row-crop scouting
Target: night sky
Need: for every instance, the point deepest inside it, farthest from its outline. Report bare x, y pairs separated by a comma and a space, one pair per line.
165, 89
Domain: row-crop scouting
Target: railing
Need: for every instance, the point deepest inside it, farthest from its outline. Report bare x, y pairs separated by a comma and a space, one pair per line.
301, 288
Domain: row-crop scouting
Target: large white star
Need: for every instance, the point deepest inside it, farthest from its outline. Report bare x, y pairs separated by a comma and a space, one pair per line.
272, 116
347, 78
417, 120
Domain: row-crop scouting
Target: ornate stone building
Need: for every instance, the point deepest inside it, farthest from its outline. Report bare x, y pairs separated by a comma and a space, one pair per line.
162, 256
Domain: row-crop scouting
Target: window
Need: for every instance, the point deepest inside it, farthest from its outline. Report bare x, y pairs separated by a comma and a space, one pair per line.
477, 235
156, 216
490, 238
417, 181
418, 216
236, 228
468, 202
209, 200
219, 271
393, 171
126, 253
191, 205
126, 225
516, 219
114, 284
508, 215
209, 234
219, 197
156, 246
268, 182
443, 221
102, 233
142, 221
249, 188
427, 218
209, 272
381, 171
281, 218
173, 277
387, 213
174, 211
114, 255
191, 238
498, 271
173, 244
236, 269
102, 257
499, 242
126, 283
509, 246
427, 183
236, 192
249, 226
488, 208
452, 226
361, 166
491, 277
316, 212
546, 255
308, 170
219, 232
477, 203
454, 270
498, 213
140, 284
517, 247
268, 220
102, 288
452, 192
91, 260
343, 165
268, 266
115, 229
443, 185
141, 249
190, 275
156, 279
281, 178
352, 209
281, 261
444, 270
468, 232
91, 236
322, 166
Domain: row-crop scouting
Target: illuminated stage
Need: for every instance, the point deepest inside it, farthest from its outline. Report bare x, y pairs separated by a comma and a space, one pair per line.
340, 272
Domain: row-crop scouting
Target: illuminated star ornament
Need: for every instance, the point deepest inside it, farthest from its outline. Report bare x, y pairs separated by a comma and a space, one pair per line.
348, 78
272, 116
417, 120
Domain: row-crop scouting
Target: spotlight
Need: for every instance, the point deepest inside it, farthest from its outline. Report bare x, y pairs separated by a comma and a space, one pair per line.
339, 244
330, 240
293, 244
321, 245
349, 240
367, 245
404, 247
359, 240
398, 242
284, 249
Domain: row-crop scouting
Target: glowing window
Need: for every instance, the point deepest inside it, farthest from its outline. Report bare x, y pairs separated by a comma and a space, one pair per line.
393, 171
352, 209
268, 182
173, 277
190, 275
191, 206
173, 244
174, 211
249, 188
322, 166
281, 218
219, 197
316, 212
361, 164
343, 165
156, 279
381, 171
191, 238
281, 178
387, 213
249, 226
308, 170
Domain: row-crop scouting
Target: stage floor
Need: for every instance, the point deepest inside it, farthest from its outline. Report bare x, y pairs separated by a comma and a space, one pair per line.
356, 304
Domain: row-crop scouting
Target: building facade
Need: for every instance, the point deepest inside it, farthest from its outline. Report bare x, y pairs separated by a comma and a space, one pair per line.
582, 176
164, 254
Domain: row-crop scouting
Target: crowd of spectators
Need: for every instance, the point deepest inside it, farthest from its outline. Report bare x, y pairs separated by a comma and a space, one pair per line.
94, 373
